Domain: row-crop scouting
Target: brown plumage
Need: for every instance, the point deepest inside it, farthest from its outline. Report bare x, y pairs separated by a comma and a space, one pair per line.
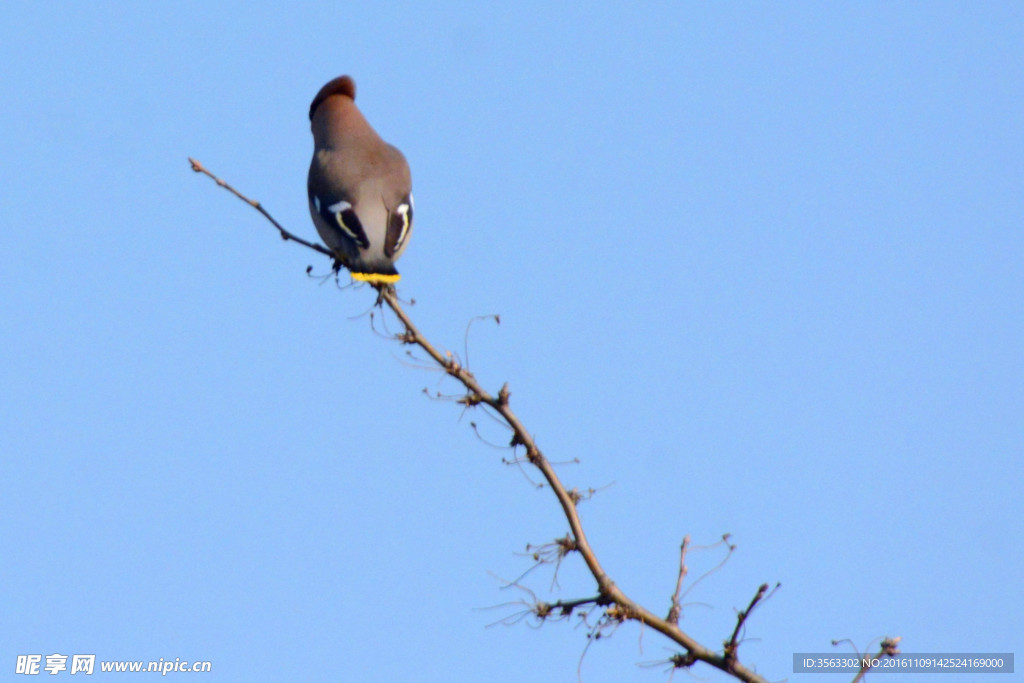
360, 188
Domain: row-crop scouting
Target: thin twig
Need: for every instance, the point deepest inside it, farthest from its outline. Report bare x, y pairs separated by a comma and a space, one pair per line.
465, 336
732, 645
888, 648
730, 550
676, 609
563, 608
285, 235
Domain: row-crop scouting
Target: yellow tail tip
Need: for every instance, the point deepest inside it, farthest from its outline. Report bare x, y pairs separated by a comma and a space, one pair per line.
376, 278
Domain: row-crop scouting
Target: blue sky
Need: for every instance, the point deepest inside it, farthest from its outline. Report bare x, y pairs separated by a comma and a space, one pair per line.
758, 266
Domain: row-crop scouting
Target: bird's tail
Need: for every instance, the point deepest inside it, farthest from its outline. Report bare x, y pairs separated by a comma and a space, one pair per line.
376, 278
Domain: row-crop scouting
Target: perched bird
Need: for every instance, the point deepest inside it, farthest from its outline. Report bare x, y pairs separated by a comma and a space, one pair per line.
360, 189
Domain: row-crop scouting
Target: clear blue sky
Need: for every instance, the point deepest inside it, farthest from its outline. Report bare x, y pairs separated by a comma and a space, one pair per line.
758, 266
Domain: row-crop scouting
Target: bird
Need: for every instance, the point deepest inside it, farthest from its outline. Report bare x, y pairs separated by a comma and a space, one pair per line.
359, 187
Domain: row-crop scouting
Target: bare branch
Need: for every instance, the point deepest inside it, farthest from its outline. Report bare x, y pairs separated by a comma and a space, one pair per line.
618, 606
285, 235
